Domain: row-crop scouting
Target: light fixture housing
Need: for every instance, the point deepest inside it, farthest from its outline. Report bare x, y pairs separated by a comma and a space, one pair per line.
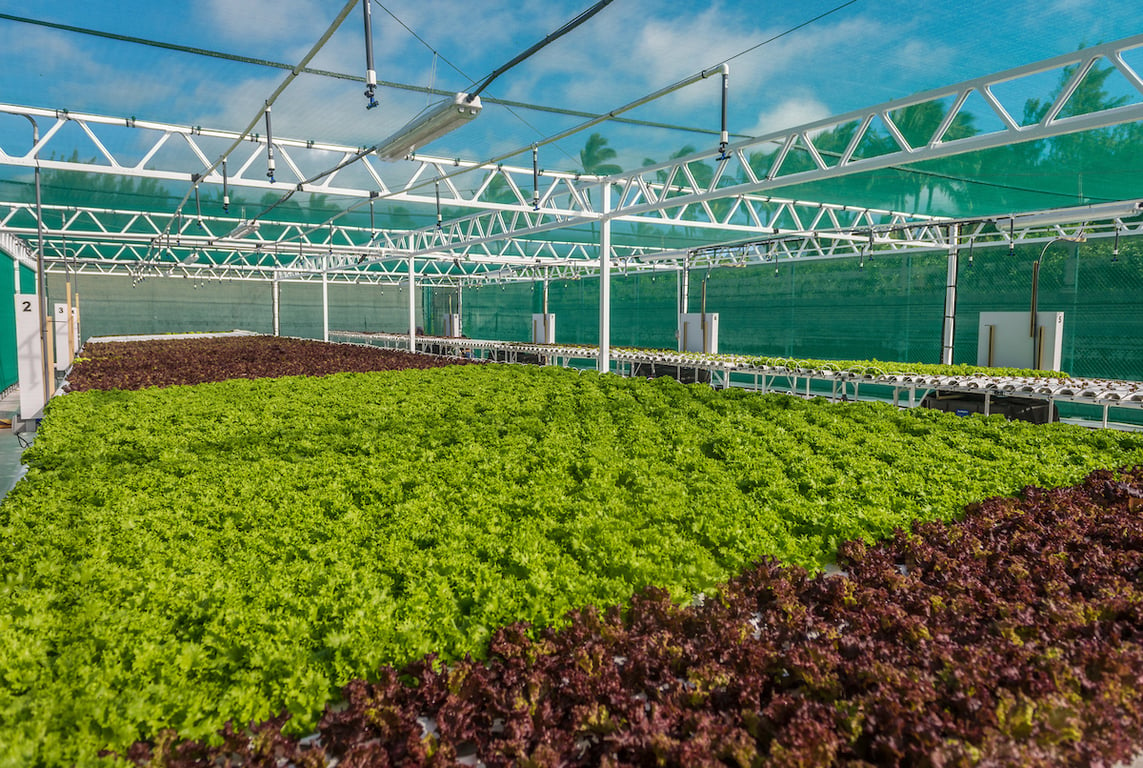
1076, 215
243, 229
441, 119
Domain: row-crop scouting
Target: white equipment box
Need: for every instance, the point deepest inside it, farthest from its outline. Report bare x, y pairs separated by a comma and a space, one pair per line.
698, 332
1006, 340
544, 328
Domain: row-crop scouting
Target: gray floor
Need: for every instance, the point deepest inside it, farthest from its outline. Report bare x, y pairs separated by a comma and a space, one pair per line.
11, 447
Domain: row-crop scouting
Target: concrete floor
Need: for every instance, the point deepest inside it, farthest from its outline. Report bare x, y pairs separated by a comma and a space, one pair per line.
11, 447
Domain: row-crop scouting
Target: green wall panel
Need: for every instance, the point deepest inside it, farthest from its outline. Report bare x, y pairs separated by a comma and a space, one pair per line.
887, 308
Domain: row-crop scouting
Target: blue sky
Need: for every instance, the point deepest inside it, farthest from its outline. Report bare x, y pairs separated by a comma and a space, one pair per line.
867, 52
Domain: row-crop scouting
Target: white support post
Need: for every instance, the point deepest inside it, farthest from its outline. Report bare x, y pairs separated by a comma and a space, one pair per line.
604, 364
276, 300
459, 308
684, 287
412, 304
46, 352
949, 329
325, 299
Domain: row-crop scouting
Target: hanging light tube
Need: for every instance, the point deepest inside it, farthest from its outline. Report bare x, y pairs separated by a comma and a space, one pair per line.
243, 229
1076, 215
441, 119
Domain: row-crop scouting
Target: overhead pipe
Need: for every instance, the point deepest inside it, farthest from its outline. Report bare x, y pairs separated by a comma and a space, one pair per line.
370, 73
269, 146
724, 136
535, 178
225, 188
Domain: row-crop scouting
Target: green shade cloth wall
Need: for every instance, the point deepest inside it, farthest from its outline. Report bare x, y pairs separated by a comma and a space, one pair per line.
887, 308
9, 372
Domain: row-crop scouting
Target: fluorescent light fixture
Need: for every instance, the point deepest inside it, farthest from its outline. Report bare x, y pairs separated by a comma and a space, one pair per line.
1077, 215
243, 229
441, 119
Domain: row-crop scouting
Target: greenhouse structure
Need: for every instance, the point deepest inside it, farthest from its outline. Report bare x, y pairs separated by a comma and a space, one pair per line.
734, 385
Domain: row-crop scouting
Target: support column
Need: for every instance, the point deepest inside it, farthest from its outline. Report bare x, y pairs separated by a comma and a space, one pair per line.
684, 286
325, 299
276, 300
46, 358
604, 363
412, 304
460, 308
949, 329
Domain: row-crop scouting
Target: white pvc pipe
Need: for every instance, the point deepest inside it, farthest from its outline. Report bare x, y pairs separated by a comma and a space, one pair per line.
949, 329
684, 287
412, 304
604, 364
325, 299
276, 295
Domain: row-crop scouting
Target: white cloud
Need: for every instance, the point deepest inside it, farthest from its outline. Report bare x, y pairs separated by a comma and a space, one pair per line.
789, 113
47, 50
640, 50
260, 21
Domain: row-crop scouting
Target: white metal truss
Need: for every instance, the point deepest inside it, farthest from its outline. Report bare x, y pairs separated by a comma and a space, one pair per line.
145, 244
18, 249
728, 199
730, 196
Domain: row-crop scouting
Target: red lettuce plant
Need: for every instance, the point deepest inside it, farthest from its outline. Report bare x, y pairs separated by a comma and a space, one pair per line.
1011, 638
167, 362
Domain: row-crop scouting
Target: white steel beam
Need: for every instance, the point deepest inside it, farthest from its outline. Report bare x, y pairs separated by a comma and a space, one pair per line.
948, 330
731, 197
604, 361
412, 304
649, 194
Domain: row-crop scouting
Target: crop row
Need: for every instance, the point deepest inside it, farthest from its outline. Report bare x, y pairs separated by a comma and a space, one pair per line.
167, 362
1011, 638
862, 367
881, 367
180, 557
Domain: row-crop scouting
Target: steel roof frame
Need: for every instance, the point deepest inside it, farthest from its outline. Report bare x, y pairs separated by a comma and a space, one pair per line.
646, 196
505, 234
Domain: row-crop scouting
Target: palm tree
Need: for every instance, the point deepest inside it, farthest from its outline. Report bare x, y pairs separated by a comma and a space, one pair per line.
499, 190
917, 124
595, 154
